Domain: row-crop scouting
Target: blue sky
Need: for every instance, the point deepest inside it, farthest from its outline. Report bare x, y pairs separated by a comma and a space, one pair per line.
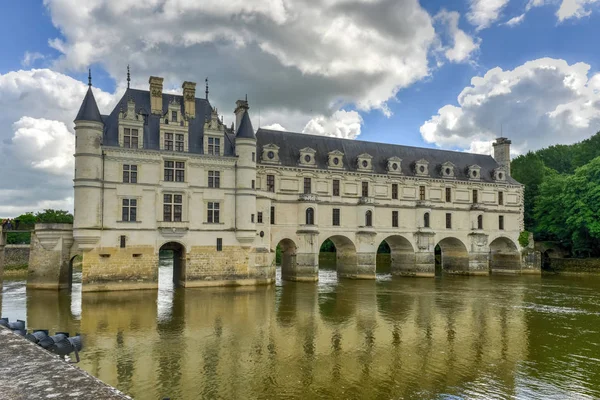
377, 70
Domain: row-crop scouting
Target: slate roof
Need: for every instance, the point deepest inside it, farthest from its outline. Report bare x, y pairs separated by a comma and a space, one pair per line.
152, 122
290, 144
89, 109
245, 130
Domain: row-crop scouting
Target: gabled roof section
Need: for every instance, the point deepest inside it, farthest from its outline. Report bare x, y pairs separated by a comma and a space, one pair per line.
291, 143
89, 109
245, 130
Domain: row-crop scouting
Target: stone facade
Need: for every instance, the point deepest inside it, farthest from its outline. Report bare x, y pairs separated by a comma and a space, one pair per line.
16, 255
222, 199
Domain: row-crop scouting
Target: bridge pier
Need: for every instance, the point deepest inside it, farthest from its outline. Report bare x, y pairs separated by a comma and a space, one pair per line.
357, 265
49, 256
300, 267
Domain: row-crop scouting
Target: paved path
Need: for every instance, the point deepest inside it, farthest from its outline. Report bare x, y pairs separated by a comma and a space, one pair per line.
29, 372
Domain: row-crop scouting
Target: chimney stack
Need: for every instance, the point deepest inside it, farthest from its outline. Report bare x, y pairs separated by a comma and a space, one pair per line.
240, 109
156, 90
189, 99
502, 153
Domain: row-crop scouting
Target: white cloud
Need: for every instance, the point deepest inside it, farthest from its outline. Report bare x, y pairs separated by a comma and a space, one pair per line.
342, 124
567, 9
275, 127
515, 20
463, 45
539, 103
483, 13
30, 58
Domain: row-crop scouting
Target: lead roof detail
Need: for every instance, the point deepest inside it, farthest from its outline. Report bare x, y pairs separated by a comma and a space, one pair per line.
291, 143
89, 109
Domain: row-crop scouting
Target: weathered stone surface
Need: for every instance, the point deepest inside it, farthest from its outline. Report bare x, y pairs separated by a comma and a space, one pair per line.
49, 256
29, 372
16, 255
575, 265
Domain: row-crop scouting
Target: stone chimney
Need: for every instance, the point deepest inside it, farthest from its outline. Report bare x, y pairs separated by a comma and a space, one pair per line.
156, 90
189, 99
502, 152
241, 106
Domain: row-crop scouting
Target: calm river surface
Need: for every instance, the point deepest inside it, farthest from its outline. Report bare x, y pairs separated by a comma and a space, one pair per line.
448, 338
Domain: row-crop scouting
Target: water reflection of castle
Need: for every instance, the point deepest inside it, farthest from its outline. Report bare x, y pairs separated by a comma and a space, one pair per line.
364, 339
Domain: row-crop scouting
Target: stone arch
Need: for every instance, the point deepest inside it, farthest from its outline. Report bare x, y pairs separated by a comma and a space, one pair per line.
452, 256
288, 258
504, 255
70, 272
402, 254
346, 261
179, 260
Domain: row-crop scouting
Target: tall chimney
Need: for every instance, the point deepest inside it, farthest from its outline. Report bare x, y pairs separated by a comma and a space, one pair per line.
502, 152
156, 89
189, 99
240, 109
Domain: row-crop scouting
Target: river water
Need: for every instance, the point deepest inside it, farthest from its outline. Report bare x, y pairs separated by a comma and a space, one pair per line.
392, 338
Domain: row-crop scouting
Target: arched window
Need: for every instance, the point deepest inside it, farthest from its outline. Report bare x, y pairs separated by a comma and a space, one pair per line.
368, 218
310, 216
426, 220
480, 222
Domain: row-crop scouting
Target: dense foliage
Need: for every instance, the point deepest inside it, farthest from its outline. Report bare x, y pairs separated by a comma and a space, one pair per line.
27, 220
562, 194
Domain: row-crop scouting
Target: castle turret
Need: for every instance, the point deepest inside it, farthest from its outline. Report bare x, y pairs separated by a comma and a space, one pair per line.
88, 164
245, 150
502, 152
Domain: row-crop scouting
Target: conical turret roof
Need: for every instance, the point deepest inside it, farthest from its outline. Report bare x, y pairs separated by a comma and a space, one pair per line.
245, 130
89, 109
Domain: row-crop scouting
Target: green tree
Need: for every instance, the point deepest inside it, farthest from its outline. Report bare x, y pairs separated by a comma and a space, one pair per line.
529, 169
550, 209
558, 157
25, 220
50, 216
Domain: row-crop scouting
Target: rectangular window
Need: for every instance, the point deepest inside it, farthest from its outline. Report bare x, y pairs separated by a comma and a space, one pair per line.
394, 219
448, 195
129, 173
307, 186
213, 213
365, 189
394, 191
179, 142
169, 141
129, 210
253, 184
501, 222
179, 171
130, 138
272, 215
259, 217
501, 198
172, 207
271, 183
253, 156
448, 221
475, 197
252, 218
214, 146
336, 217
122, 241
336, 187
219, 244
214, 179
421, 192
173, 116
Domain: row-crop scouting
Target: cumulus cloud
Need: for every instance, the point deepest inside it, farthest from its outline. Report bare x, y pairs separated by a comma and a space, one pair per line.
37, 139
342, 124
541, 102
568, 9
483, 13
462, 45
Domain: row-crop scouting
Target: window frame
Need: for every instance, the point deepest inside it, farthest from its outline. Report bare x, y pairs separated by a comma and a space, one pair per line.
475, 196
129, 210
501, 222
271, 183
272, 215
130, 173
336, 217
214, 146
179, 142
335, 189
369, 218
500, 198
421, 193
259, 217
394, 191
129, 138
448, 220
395, 219
219, 244
213, 210
480, 221
426, 220
168, 141
365, 189
174, 171
309, 216
448, 195
214, 179
172, 207
307, 185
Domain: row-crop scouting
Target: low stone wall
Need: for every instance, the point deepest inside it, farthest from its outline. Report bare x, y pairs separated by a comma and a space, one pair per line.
16, 255
574, 265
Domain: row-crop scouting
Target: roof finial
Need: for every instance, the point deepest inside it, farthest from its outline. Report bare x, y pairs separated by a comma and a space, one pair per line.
206, 90
246, 97
90, 77
128, 76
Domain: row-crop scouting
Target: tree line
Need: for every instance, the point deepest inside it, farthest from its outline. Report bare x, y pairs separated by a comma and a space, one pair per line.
562, 194
48, 216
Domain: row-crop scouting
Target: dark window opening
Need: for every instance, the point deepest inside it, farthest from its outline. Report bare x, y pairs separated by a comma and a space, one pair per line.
219, 244
272, 215
336, 187
394, 219
448, 195
307, 186
259, 217
213, 213
122, 244
172, 207
214, 179
271, 183
365, 189
369, 218
336, 217
421, 192
426, 220
394, 191
501, 222
310, 216
480, 222
448, 221
129, 210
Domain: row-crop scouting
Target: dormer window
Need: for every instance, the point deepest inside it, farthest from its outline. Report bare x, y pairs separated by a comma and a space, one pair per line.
394, 165
214, 146
500, 174
173, 129
335, 159
307, 157
364, 162
173, 116
270, 154
474, 172
448, 170
131, 127
422, 167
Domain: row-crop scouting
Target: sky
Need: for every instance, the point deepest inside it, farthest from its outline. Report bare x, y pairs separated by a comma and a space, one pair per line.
442, 74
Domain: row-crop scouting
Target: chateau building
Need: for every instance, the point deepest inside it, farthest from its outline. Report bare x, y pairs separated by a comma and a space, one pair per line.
162, 172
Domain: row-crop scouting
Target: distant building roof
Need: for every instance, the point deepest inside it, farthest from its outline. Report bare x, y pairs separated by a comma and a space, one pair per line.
245, 129
89, 109
290, 144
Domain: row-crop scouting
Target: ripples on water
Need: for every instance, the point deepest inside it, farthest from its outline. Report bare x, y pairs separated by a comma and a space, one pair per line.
449, 338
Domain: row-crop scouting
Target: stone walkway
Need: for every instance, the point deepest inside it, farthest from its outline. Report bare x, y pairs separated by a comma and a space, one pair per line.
29, 372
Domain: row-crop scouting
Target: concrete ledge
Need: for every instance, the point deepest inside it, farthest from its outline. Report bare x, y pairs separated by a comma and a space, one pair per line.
507, 271
47, 286
29, 372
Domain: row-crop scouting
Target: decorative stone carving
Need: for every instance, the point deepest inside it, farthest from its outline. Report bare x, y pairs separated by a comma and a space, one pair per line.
474, 172
394, 165
307, 157
448, 170
335, 160
500, 174
422, 167
270, 154
364, 162
213, 123
479, 241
